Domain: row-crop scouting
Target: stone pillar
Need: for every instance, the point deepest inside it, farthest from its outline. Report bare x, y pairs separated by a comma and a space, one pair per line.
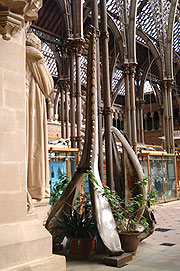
50, 109
24, 243
56, 113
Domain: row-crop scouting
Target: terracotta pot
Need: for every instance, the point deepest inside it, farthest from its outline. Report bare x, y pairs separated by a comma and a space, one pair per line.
129, 241
82, 246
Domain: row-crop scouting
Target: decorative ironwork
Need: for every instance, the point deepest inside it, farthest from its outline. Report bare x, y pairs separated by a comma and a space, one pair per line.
45, 36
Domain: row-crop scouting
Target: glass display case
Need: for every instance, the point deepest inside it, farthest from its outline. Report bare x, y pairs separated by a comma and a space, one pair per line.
62, 161
161, 169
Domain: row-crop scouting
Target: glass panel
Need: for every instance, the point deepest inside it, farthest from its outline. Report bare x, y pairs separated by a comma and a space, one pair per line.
162, 174
178, 169
61, 163
143, 162
170, 185
144, 165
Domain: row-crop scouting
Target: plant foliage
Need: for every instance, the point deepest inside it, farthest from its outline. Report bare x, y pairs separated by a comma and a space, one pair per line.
59, 187
78, 221
124, 210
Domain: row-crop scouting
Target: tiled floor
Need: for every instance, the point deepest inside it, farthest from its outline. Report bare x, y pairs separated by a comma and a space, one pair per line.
151, 255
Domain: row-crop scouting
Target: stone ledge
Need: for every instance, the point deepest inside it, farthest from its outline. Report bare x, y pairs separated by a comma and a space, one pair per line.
42, 202
24, 243
52, 263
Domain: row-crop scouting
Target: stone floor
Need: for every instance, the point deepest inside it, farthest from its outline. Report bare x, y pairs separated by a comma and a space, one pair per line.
161, 251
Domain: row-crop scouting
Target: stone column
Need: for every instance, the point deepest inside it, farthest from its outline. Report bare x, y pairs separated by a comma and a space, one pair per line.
50, 109
56, 113
24, 243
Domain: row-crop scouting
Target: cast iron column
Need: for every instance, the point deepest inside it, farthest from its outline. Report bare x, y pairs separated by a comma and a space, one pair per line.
106, 94
133, 107
141, 121
78, 48
62, 110
138, 120
67, 110
166, 117
171, 124
127, 103
70, 46
94, 8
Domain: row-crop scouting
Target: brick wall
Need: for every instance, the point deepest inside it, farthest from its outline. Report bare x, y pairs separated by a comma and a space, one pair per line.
152, 137
54, 129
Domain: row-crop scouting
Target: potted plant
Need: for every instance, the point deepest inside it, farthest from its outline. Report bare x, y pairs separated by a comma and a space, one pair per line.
78, 226
125, 212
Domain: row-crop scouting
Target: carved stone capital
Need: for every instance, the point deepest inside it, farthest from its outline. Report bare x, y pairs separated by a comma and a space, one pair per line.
17, 14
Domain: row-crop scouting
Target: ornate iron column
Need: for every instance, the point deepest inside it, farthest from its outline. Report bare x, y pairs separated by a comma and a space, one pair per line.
141, 121
70, 46
78, 49
166, 116
133, 106
62, 110
127, 102
66, 115
138, 120
95, 23
170, 113
106, 94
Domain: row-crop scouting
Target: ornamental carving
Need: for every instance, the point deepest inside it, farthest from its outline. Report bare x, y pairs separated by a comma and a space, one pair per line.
17, 14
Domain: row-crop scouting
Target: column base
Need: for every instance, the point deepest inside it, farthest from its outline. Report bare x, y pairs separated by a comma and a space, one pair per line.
27, 245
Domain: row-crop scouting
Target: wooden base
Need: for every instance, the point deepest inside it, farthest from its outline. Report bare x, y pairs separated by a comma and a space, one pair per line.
118, 261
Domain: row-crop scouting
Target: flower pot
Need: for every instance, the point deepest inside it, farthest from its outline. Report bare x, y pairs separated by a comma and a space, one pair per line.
129, 241
82, 246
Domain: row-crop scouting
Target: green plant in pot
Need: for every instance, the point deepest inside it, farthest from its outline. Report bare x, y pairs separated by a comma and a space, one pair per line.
78, 226
126, 213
